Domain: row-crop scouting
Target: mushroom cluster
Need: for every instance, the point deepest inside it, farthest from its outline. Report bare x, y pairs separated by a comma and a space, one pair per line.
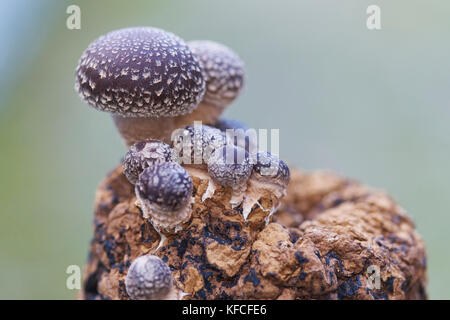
166, 97
152, 82
188, 172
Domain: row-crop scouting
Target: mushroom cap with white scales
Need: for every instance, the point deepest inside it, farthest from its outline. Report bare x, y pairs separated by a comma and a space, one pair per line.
199, 141
268, 167
230, 166
148, 278
223, 71
144, 154
164, 192
140, 72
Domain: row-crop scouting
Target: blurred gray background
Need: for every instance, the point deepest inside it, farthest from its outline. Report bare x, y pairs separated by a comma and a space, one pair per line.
373, 105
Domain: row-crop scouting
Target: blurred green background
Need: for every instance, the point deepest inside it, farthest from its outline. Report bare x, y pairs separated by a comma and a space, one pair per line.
373, 105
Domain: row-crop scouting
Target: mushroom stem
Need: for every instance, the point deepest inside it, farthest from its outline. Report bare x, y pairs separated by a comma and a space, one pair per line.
206, 112
133, 130
159, 218
137, 129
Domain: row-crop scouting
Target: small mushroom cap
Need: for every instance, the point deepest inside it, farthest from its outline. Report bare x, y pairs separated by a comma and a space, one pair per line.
140, 72
200, 140
230, 166
167, 186
269, 167
148, 278
223, 70
144, 154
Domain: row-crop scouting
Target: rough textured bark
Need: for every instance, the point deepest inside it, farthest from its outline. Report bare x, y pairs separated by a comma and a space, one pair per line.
319, 245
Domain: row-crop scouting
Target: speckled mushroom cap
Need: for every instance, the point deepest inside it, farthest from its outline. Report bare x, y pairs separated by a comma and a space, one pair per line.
140, 72
269, 167
144, 154
148, 278
223, 70
230, 166
202, 140
167, 186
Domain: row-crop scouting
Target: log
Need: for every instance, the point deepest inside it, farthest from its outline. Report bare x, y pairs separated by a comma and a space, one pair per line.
331, 238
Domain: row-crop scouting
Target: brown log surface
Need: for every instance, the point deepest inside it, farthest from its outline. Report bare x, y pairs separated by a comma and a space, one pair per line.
319, 245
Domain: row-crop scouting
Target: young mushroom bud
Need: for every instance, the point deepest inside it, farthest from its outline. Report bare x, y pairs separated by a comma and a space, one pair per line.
268, 168
229, 166
164, 193
149, 278
224, 75
194, 145
144, 154
270, 176
143, 76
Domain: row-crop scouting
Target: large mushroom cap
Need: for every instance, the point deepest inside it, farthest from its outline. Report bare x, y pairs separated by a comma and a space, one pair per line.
140, 72
223, 71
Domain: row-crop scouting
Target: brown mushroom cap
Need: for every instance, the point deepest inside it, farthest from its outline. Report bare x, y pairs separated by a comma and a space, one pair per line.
201, 141
144, 154
223, 71
148, 278
230, 166
140, 72
269, 167
166, 186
